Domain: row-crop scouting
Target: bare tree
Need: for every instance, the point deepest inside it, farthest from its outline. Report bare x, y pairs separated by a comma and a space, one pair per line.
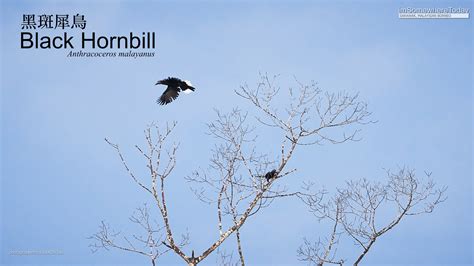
323, 251
149, 244
355, 212
243, 179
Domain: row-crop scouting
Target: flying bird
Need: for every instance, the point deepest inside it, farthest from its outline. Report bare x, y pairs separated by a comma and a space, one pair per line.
175, 85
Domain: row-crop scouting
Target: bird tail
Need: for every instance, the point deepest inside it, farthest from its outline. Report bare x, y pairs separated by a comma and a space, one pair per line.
189, 90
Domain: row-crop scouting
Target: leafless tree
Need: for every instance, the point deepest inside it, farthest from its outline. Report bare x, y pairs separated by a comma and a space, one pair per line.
149, 245
355, 212
243, 179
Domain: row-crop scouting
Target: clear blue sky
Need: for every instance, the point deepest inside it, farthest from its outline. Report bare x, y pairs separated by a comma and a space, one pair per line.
60, 179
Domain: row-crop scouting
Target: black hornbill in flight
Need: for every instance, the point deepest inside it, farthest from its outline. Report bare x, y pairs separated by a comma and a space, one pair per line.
175, 85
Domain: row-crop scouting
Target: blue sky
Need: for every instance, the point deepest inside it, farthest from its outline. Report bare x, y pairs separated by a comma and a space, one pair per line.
60, 179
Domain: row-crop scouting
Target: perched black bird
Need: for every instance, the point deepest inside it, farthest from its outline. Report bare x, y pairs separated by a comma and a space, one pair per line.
192, 258
271, 175
175, 85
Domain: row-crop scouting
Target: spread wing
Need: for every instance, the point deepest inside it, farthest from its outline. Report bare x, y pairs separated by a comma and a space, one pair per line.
175, 82
168, 96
